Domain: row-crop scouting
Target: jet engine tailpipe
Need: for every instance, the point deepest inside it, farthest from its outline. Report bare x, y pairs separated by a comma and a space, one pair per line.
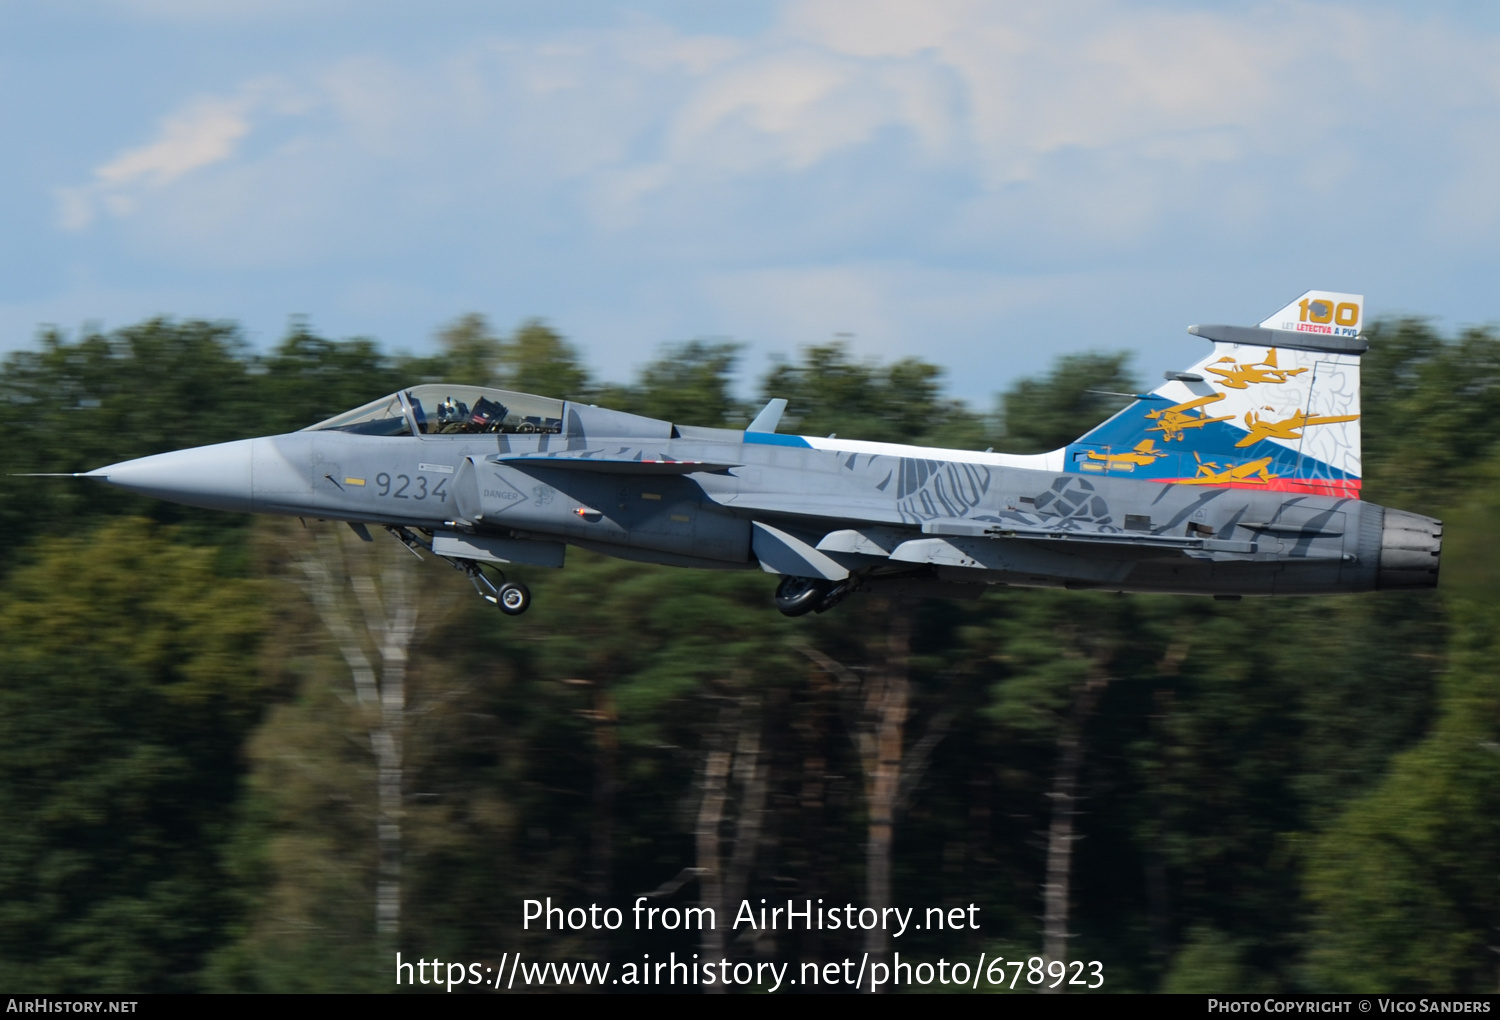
1410, 547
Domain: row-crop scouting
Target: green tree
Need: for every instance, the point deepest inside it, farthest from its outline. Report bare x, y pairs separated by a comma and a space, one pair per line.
78, 405
1404, 881
471, 350
75, 405
827, 391
687, 383
1430, 407
1081, 391
307, 379
129, 681
359, 808
1211, 963
538, 359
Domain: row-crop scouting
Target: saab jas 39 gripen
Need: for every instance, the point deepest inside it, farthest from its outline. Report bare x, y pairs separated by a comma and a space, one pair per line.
1239, 476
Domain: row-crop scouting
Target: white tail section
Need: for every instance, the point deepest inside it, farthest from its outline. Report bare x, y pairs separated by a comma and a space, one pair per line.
1321, 311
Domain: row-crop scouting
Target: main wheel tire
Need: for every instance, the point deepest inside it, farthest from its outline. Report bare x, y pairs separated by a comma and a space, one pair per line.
514, 598
797, 596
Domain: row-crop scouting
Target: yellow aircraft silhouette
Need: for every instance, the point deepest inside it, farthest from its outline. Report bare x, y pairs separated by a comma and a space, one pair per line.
1250, 473
1145, 453
1260, 428
1243, 374
1173, 420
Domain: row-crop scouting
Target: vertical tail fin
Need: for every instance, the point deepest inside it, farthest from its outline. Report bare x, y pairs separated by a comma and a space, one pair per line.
1321, 311
1273, 406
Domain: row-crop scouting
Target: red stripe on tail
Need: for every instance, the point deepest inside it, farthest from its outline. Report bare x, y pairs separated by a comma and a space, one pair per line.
1345, 489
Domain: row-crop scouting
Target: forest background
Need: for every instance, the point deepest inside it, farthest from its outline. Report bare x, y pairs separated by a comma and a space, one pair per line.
253, 754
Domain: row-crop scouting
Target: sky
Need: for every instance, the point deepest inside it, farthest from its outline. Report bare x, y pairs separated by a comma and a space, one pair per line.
984, 185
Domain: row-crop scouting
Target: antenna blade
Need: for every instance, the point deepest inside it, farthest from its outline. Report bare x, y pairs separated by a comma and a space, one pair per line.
769, 417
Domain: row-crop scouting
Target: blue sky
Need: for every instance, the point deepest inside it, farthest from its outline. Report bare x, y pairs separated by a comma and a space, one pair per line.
982, 184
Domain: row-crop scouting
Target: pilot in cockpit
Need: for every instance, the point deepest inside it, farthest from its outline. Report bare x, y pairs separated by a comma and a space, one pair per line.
486, 416
450, 416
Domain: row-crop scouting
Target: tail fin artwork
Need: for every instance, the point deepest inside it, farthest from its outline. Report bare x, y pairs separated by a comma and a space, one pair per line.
1274, 406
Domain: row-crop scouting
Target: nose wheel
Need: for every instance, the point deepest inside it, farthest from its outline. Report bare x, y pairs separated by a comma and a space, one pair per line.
512, 597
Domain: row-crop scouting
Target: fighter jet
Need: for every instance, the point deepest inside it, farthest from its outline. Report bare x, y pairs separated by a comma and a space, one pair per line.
485, 478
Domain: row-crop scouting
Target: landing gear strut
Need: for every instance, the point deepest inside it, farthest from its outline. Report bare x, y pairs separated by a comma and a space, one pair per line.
835, 595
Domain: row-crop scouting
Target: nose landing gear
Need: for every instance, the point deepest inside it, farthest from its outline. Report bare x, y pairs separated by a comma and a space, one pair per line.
512, 597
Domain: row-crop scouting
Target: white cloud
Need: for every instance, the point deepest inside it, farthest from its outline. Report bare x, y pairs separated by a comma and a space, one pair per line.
203, 132
873, 166
612, 121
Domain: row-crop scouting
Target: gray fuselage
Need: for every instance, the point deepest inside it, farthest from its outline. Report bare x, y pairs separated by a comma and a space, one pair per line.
647, 490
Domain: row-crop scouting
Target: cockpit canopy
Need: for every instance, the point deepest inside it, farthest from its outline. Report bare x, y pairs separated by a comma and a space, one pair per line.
439, 409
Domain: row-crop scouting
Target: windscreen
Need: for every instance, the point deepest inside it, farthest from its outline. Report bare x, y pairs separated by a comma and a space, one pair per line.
383, 417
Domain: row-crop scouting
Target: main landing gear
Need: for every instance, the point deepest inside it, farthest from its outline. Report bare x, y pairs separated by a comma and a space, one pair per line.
798, 596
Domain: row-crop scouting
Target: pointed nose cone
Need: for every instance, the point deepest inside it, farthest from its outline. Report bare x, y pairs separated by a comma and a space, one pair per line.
217, 477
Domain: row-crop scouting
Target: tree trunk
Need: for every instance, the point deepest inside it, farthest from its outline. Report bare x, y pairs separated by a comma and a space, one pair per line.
390, 622
886, 706
1060, 832
722, 886
396, 627
879, 734
607, 764
710, 820
813, 728
750, 772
